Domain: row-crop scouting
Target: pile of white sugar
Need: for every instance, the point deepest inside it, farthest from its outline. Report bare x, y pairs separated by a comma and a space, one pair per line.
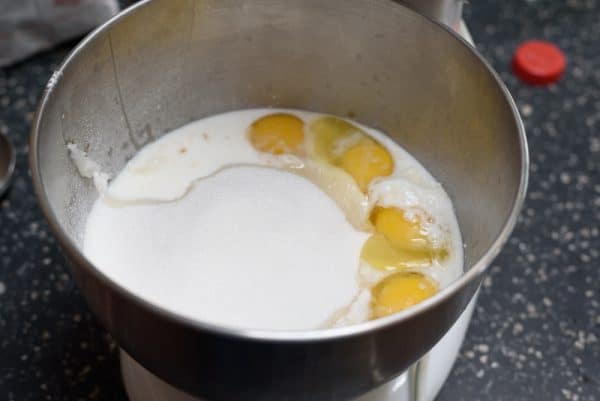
250, 247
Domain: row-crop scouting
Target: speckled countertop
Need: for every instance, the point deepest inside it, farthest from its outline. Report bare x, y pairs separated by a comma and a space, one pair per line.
535, 334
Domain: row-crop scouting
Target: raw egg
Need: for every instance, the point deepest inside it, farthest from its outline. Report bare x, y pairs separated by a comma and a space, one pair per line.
400, 291
348, 147
277, 133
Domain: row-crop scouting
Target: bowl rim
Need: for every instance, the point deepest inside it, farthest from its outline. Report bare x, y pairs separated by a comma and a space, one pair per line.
284, 336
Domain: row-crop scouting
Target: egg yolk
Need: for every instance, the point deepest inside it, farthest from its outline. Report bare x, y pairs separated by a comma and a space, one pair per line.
344, 145
332, 136
400, 291
402, 232
277, 133
398, 243
367, 161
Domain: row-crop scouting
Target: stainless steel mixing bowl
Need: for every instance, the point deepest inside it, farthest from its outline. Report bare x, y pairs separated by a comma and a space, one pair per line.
162, 64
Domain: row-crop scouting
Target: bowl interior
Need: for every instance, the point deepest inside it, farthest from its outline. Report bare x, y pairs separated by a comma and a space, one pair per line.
169, 63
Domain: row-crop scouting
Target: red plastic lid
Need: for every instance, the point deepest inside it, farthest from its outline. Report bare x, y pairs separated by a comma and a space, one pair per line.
539, 62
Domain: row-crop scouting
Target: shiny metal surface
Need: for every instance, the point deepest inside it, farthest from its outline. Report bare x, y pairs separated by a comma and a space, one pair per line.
163, 63
7, 163
447, 12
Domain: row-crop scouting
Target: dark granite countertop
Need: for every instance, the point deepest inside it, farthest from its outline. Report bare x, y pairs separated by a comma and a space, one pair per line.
535, 334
